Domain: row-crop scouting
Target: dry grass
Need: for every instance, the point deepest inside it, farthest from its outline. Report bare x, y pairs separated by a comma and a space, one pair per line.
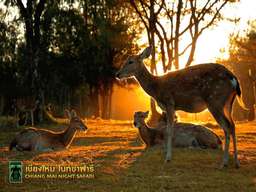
122, 164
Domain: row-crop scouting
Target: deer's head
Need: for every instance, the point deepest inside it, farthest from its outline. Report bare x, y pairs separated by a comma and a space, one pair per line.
132, 64
75, 121
139, 118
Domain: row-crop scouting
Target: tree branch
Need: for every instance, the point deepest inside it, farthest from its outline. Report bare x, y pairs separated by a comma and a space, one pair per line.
37, 15
139, 14
213, 18
143, 8
185, 49
160, 7
22, 9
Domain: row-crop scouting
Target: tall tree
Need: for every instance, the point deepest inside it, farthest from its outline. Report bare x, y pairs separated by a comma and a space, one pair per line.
112, 35
242, 59
177, 20
147, 13
71, 49
31, 15
8, 64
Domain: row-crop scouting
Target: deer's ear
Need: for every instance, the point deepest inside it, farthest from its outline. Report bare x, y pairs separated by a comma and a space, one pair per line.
146, 53
73, 113
67, 113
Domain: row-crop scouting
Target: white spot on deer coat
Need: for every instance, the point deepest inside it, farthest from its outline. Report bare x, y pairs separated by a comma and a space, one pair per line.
233, 82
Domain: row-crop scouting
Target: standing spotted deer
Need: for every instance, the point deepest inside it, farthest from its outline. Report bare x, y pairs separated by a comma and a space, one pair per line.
32, 139
192, 89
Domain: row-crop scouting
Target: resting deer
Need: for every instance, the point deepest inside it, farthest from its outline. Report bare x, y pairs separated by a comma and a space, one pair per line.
192, 89
185, 134
149, 135
32, 139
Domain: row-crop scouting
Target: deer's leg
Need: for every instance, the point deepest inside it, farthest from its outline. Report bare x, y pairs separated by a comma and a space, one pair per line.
169, 132
224, 123
227, 111
235, 147
226, 148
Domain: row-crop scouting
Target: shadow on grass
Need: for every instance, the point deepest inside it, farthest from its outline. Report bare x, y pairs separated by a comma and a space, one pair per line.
189, 170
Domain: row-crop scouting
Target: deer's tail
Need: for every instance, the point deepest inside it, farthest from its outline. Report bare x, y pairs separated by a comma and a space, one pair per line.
239, 95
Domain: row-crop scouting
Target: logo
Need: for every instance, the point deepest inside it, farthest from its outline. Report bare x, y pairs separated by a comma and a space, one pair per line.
15, 171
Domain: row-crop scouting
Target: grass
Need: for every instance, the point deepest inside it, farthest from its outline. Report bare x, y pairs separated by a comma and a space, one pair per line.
122, 164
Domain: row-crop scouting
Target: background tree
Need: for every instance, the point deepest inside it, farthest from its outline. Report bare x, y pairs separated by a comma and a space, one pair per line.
242, 59
70, 51
109, 23
177, 20
31, 16
8, 64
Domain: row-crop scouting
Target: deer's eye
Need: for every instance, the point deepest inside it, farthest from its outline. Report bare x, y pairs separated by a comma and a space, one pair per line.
130, 62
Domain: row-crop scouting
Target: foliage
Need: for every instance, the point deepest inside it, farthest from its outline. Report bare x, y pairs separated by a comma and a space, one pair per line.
242, 49
174, 27
68, 46
8, 48
241, 61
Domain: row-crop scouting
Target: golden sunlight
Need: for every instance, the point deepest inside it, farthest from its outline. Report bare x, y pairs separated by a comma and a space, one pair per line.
126, 101
214, 42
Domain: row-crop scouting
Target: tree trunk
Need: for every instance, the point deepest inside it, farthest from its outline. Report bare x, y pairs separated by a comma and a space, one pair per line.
31, 15
105, 98
177, 34
110, 101
1, 104
251, 115
94, 102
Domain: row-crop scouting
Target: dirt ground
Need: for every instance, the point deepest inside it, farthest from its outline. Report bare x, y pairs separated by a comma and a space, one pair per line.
122, 164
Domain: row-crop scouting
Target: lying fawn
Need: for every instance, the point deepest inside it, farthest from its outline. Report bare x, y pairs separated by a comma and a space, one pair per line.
33, 139
149, 135
185, 134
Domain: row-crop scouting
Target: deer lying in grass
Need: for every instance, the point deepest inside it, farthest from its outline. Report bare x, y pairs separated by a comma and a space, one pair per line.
192, 89
32, 139
149, 135
185, 134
